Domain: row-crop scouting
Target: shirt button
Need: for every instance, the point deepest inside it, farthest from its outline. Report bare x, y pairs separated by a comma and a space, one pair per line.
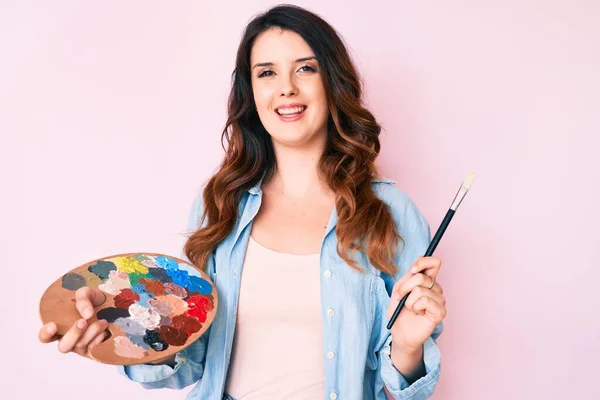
332, 395
330, 355
327, 273
330, 312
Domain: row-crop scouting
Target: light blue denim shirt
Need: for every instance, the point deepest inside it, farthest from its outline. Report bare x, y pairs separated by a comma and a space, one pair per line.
356, 335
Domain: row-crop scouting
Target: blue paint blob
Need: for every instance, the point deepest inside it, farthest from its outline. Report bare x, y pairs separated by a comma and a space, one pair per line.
138, 340
143, 301
179, 277
139, 288
166, 263
199, 285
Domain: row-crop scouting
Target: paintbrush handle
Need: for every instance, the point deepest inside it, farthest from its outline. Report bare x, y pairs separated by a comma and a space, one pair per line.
434, 242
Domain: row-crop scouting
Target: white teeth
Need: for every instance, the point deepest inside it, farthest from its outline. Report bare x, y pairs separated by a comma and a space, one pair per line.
290, 111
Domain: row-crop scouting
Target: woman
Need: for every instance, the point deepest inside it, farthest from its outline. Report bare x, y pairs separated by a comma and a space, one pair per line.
323, 243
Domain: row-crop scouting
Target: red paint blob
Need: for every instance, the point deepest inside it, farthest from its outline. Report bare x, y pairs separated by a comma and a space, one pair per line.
186, 323
172, 336
198, 306
126, 298
153, 286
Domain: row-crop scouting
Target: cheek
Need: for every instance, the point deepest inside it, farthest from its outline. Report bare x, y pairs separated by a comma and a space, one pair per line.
262, 97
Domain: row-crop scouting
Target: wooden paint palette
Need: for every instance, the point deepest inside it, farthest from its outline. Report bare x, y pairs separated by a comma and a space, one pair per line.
156, 305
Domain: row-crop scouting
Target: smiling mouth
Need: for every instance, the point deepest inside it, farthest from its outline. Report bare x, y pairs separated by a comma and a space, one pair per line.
294, 112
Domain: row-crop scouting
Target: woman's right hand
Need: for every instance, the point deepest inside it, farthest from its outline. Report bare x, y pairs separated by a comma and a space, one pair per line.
82, 336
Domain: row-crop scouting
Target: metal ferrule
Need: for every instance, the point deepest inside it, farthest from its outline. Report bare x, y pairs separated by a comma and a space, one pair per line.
459, 197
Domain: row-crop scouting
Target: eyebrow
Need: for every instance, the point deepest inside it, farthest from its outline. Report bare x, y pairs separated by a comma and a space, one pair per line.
268, 64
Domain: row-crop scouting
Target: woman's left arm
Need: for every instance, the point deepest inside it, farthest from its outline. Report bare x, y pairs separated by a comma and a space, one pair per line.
408, 355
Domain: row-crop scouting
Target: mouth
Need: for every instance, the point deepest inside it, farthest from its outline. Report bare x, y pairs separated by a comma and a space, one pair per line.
291, 112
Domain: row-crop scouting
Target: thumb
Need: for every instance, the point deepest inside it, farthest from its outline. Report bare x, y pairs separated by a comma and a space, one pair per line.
86, 299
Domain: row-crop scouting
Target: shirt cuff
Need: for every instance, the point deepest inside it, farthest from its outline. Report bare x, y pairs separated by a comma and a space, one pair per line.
161, 376
423, 387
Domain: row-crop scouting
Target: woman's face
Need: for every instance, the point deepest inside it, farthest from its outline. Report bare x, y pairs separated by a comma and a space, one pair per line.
285, 73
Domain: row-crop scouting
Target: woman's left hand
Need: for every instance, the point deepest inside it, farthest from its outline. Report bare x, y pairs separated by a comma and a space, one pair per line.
425, 307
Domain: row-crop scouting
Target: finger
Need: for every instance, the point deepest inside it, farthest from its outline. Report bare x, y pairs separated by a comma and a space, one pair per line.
401, 282
48, 333
95, 329
419, 292
86, 299
72, 336
98, 339
429, 306
411, 283
427, 265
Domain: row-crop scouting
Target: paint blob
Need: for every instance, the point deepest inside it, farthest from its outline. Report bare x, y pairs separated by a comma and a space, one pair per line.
91, 279
134, 278
138, 340
146, 317
125, 348
172, 336
154, 340
199, 285
160, 274
116, 281
130, 326
102, 268
198, 306
153, 286
175, 290
73, 281
166, 262
189, 325
130, 265
111, 314
126, 298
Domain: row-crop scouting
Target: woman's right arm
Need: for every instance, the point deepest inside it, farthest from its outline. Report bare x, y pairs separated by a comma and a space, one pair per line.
187, 366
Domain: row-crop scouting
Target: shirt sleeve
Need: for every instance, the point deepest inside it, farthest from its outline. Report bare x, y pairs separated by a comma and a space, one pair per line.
189, 363
415, 232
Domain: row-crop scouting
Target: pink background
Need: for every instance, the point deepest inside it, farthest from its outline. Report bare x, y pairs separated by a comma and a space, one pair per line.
111, 117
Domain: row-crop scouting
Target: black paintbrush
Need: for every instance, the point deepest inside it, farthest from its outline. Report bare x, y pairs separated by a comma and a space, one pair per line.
464, 188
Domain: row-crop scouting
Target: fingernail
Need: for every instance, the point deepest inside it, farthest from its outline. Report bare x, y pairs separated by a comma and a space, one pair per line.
50, 328
87, 313
103, 322
81, 323
414, 269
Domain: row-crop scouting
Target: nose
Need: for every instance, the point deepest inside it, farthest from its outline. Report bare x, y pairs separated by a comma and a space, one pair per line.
288, 87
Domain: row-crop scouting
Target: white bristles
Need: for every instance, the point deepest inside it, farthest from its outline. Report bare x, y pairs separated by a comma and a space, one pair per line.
462, 192
469, 180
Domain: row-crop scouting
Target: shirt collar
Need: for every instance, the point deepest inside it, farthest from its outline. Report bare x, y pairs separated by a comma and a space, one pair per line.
257, 190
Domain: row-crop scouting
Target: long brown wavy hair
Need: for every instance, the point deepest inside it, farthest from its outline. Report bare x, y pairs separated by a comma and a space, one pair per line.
347, 164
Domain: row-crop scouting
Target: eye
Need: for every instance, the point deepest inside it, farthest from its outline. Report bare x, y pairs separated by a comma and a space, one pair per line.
263, 73
309, 68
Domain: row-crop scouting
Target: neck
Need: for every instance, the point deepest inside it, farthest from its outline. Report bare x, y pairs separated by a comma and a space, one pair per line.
297, 171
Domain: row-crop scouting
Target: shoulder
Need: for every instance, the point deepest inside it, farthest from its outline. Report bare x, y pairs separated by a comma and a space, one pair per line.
406, 214
394, 197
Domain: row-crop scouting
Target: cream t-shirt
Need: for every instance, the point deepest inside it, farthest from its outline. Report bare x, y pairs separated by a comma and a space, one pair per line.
278, 344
